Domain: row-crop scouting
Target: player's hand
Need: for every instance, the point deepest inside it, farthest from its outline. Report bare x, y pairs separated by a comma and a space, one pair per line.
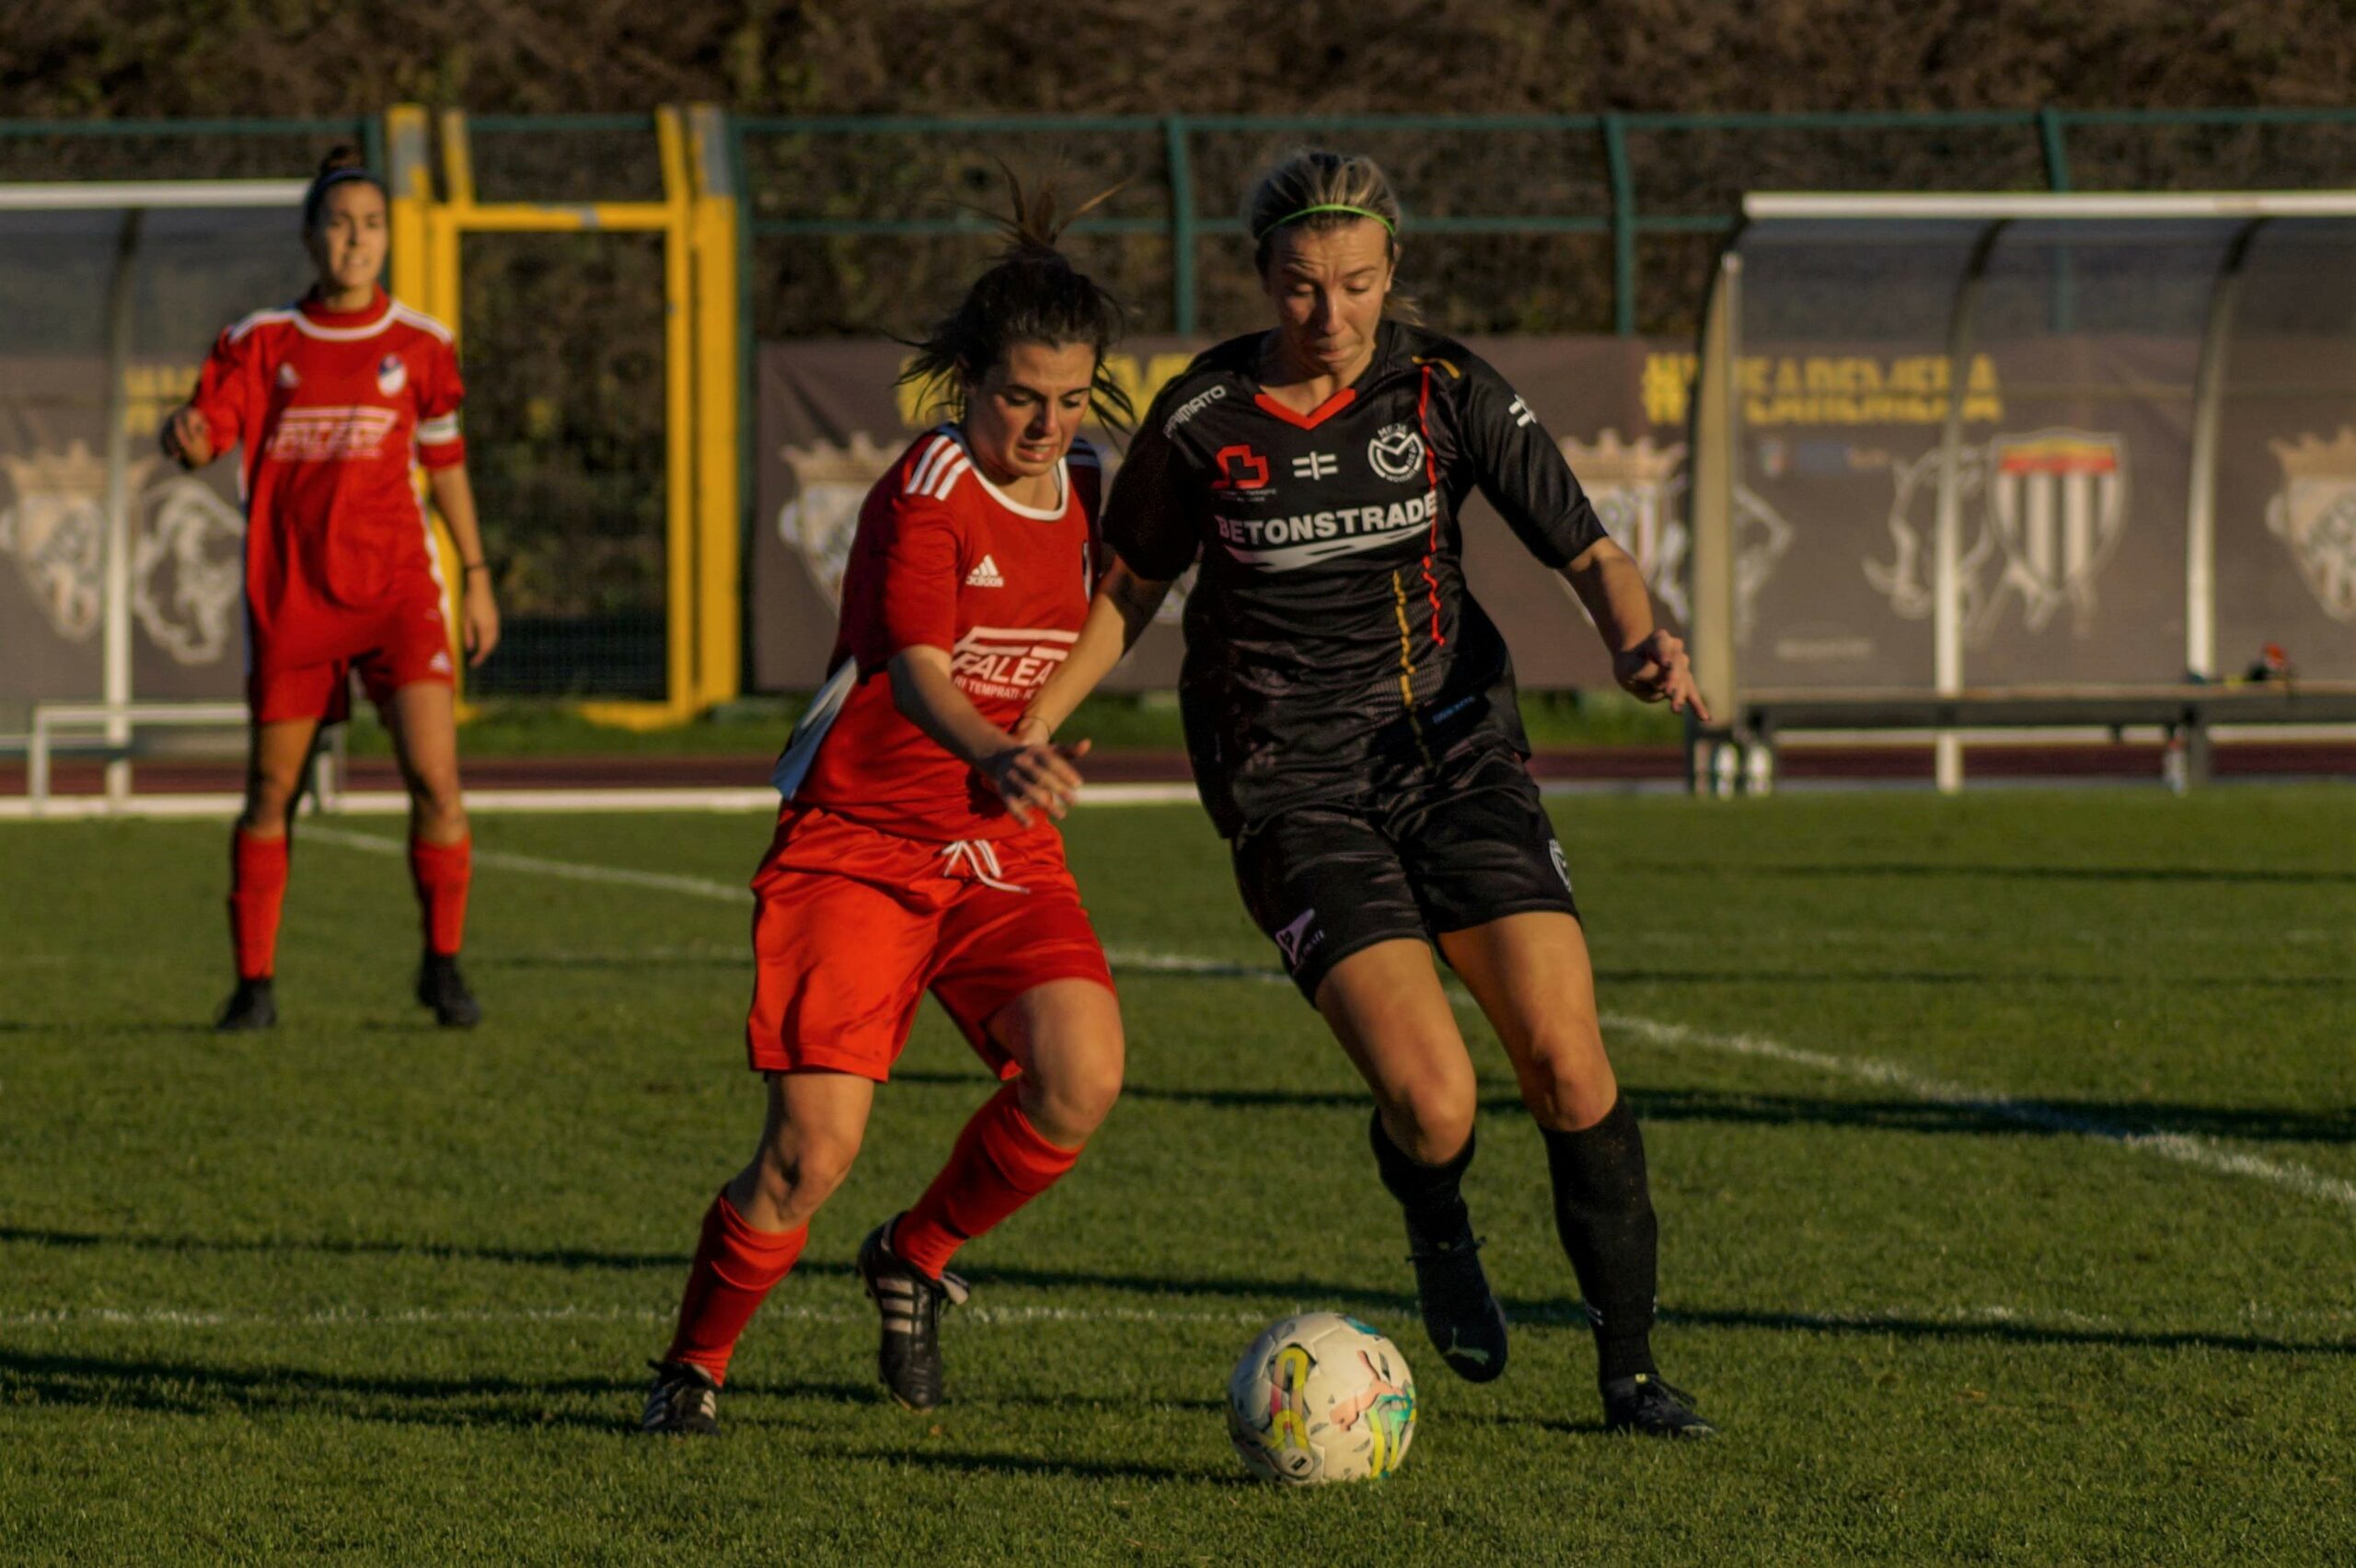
478, 617
1031, 730
1657, 670
1034, 776
187, 437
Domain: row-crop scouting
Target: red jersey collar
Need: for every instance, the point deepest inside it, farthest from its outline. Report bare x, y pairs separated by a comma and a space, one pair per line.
360, 323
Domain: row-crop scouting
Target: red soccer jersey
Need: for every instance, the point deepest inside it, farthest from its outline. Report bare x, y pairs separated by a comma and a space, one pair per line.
332, 408
942, 558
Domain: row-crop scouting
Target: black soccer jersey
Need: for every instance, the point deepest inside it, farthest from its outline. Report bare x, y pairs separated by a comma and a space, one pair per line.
1330, 621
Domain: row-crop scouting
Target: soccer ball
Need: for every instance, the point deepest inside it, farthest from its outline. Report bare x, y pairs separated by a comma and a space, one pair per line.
1320, 1396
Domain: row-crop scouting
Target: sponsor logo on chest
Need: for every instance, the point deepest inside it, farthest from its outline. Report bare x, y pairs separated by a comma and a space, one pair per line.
1282, 544
1007, 661
331, 435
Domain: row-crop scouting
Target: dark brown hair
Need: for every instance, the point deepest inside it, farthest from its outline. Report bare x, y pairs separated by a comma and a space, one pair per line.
340, 167
1031, 294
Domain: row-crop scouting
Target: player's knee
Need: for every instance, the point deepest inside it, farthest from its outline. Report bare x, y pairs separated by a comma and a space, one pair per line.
268, 803
441, 808
1069, 1103
1568, 1084
1436, 1116
802, 1169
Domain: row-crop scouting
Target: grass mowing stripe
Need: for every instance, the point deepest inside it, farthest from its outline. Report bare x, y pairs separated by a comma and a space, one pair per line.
1994, 1317
2181, 1148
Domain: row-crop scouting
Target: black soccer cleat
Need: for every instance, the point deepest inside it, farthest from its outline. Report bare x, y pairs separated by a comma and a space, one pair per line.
250, 1006
443, 988
1649, 1408
1463, 1318
683, 1400
909, 1356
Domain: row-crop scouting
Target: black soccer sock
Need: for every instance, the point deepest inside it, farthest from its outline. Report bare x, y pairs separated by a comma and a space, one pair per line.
1603, 1211
1429, 1193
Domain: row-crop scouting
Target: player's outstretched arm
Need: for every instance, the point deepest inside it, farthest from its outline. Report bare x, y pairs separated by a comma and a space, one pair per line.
1648, 661
1117, 617
1028, 775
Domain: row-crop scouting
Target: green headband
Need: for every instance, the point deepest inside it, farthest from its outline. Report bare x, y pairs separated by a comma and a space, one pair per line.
1388, 227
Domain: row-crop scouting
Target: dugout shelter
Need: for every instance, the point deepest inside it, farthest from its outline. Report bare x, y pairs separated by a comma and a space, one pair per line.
2132, 468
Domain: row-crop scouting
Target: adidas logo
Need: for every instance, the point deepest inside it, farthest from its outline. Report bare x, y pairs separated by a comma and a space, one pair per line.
985, 575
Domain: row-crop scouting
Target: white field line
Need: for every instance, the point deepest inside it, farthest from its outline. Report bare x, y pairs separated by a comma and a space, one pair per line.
2181, 1148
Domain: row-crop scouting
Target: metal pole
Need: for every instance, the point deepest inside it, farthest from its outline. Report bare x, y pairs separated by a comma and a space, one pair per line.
678, 424
2201, 490
747, 394
1179, 164
1623, 226
2062, 307
1710, 497
1947, 586
117, 673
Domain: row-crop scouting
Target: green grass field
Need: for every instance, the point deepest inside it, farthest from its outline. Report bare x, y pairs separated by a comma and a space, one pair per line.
2005, 1150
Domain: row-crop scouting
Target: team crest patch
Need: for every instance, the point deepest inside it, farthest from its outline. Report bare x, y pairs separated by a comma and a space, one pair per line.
188, 571
1637, 490
286, 376
392, 375
2315, 517
2054, 509
819, 523
54, 525
1396, 452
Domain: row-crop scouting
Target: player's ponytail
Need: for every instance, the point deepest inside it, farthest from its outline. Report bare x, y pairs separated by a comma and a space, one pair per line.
341, 165
1031, 294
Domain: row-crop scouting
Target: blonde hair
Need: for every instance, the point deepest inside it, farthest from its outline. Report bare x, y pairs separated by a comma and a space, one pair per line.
1314, 189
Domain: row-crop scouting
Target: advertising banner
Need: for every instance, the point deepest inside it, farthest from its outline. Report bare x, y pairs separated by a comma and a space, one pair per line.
187, 539
830, 422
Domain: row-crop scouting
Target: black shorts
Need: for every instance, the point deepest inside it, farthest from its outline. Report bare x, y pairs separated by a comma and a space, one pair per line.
1452, 846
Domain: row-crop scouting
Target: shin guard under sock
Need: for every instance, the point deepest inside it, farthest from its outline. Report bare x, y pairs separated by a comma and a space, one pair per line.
440, 873
257, 894
1431, 1195
1000, 1163
736, 1268
1603, 1211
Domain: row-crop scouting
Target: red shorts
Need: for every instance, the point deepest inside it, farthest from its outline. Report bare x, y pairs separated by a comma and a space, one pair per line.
852, 925
304, 670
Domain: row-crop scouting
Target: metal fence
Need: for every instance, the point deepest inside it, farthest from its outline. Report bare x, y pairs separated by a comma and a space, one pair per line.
617, 573
1635, 203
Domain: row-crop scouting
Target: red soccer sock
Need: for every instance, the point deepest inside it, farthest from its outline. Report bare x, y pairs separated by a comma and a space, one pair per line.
257, 894
440, 872
736, 1268
1000, 1164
